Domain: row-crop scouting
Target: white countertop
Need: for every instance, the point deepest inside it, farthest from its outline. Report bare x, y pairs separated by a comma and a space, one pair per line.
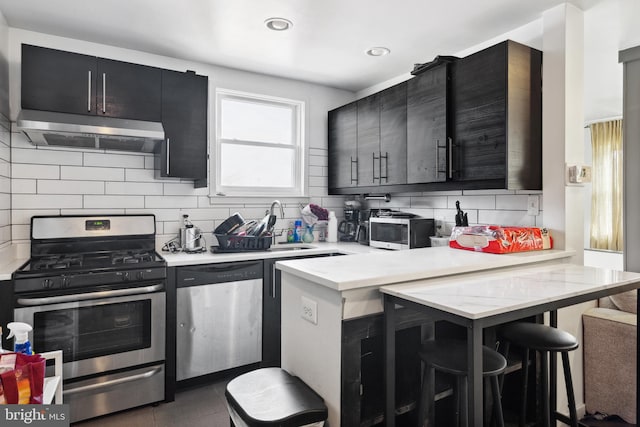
276, 251
11, 258
490, 293
386, 267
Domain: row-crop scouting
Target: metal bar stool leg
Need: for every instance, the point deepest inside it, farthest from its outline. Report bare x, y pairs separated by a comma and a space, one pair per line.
463, 399
544, 369
525, 386
497, 402
569, 383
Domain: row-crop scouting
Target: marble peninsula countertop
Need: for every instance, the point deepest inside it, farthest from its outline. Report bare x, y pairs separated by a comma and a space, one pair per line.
388, 267
477, 296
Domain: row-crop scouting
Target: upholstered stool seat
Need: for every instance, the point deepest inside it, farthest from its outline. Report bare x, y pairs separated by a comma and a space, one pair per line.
273, 397
544, 339
450, 356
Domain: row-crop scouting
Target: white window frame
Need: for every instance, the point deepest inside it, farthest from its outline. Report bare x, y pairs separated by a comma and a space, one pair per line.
298, 145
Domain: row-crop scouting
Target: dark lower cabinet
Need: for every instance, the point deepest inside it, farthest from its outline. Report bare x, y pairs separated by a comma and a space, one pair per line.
271, 311
497, 118
184, 118
6, 311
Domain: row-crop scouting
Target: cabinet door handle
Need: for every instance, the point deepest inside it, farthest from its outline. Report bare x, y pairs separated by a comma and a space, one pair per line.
352, 178
104, 92
89, 91
273, 282
373, 167
450, 154
386, 167
168, 142
438, 148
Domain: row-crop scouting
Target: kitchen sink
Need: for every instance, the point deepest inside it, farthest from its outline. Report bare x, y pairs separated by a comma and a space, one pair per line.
289, 247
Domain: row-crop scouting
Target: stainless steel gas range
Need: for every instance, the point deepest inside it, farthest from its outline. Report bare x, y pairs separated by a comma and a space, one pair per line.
95, 289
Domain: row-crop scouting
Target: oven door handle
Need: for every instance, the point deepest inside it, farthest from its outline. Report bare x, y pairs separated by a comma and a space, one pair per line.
90, 295
112, 383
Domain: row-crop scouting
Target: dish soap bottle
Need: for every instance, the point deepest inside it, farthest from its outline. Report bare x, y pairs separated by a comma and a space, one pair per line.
332, 230
20, 331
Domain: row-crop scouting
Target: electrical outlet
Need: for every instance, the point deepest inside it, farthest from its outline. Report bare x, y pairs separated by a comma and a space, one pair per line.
533, 205
309, 310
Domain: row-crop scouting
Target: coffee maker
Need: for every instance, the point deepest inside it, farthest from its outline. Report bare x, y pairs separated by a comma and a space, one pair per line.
349, 227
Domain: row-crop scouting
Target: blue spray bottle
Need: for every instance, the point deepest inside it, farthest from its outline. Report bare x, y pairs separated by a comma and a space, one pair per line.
20, 331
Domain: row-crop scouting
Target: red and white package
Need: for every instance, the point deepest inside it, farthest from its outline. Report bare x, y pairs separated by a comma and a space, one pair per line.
500, 240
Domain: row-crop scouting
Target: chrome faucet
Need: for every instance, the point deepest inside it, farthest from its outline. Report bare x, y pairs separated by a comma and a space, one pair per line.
273, 205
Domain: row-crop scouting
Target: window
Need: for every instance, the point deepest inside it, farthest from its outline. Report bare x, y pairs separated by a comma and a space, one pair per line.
259, 145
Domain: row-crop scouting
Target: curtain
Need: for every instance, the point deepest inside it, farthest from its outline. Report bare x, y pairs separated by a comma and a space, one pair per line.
606, 200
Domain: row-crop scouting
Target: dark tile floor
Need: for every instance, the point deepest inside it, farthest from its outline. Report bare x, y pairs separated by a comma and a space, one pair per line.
202, 406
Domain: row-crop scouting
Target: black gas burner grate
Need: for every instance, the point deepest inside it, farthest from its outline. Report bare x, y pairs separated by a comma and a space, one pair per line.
58, 262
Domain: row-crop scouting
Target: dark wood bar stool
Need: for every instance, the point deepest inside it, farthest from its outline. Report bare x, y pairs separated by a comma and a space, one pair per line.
450, 356
544, 339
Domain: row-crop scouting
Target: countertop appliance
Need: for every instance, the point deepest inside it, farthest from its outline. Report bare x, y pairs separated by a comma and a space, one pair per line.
94, 288
348, 228
219, 317
400, 230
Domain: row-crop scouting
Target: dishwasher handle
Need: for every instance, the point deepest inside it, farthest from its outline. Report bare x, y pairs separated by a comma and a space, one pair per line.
218, 273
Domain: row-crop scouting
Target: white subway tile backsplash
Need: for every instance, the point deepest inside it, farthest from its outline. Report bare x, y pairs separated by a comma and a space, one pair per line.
511, 202
36, 201
5, 185
318, 161
429, 202
472, 202
183, 188
318, 181
46, 156
132, 161
5, 151
99, 211
317, 171
50, 186
23, 216
35, 171
149, 162
20, 232
506, 218
151, 202
108, 201
142, 175
23, 186
91, 173
5, 168
137, 188
486, 192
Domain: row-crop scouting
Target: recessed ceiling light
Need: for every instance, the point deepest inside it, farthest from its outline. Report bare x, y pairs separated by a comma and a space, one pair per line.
378, 51
278, 24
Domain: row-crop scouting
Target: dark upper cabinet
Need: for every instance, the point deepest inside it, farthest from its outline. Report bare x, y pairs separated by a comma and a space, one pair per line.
128, 91
368, 137
392, 165
428, 143
54, 80
184, 117
66, 82
342, 148
497, 118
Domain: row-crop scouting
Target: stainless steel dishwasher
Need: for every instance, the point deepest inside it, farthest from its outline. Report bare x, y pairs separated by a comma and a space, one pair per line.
219, 317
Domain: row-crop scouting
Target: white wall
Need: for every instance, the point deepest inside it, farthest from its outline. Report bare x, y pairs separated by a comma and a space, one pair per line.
48, 180
5, 154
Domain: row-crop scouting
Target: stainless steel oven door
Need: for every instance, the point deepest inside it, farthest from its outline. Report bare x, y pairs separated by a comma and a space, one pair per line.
99, 331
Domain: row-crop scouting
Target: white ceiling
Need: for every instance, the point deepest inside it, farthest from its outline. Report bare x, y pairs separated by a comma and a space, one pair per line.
326, 44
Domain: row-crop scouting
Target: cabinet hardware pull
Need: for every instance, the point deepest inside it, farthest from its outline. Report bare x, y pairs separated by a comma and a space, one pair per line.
450, 152
386, 167
89, 91
438, 148
373, 167
104, 92
273, 281
352, 178
168, 141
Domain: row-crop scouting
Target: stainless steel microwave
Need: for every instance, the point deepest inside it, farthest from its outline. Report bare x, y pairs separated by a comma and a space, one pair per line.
400, 233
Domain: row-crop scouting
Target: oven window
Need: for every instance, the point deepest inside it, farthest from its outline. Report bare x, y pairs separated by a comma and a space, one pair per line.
87, 332
390, 232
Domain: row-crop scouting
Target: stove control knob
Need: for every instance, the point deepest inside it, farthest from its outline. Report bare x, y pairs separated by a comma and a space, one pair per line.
125, 276
140, 275
65, 282
47, 283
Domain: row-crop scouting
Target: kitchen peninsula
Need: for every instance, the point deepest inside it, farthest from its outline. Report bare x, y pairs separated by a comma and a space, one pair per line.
332, 314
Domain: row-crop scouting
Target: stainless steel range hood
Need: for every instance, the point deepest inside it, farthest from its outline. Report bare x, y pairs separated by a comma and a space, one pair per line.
75, 130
